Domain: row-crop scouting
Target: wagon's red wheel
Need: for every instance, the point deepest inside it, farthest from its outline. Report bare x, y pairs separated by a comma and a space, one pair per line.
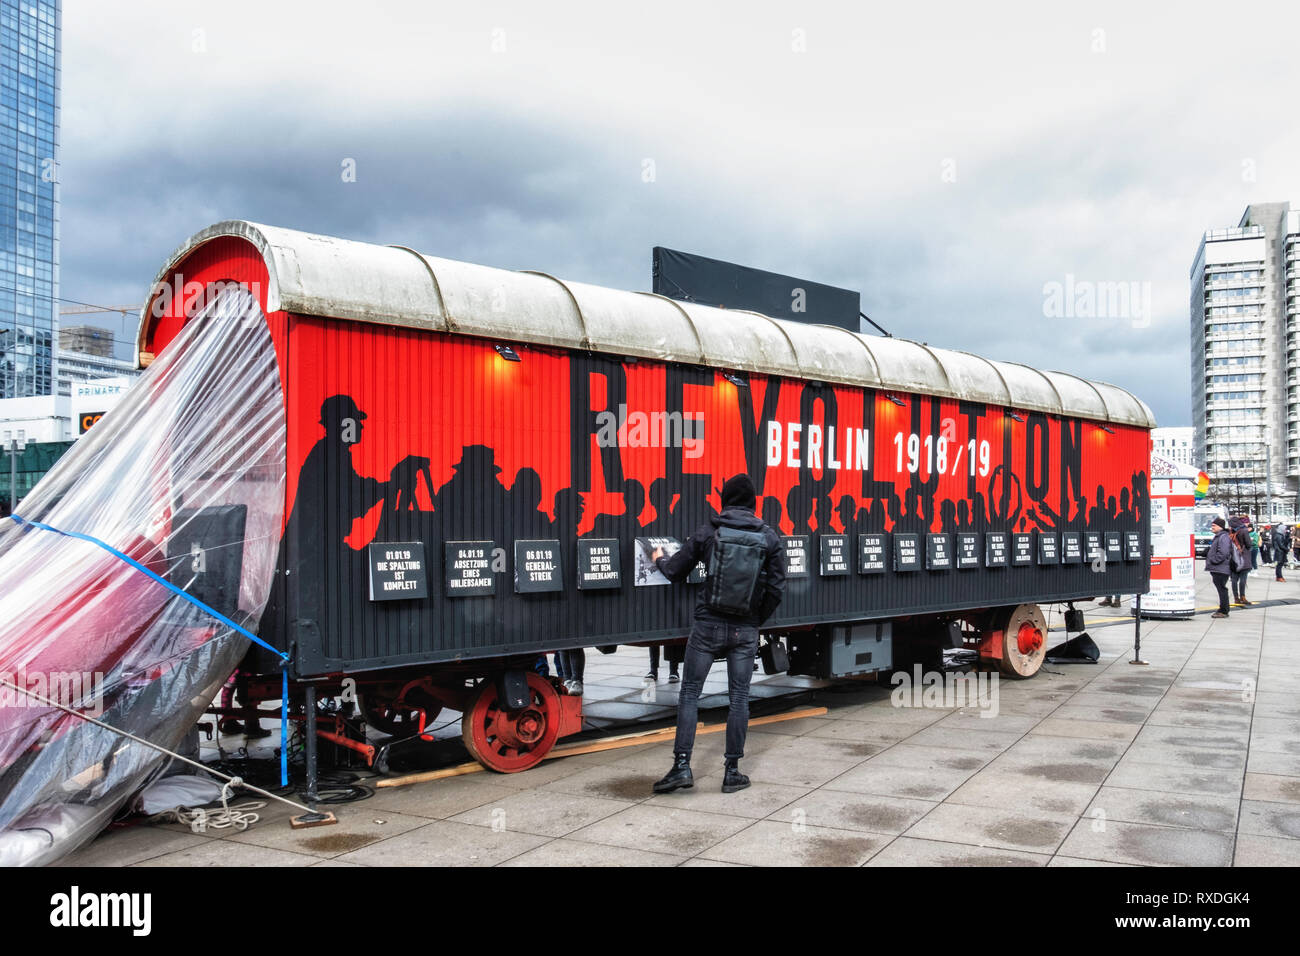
509, 741
1024, 642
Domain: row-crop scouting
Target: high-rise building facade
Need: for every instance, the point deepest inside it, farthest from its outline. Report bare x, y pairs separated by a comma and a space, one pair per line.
1246, 350
1177, 443
30, 77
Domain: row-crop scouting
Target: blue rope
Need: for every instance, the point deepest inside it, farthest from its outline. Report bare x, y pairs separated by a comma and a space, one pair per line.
284, 658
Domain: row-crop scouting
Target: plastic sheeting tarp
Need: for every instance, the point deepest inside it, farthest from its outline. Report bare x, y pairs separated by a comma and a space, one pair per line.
185, 476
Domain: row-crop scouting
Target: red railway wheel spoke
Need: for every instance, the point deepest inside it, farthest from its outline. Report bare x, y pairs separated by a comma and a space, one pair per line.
509, 741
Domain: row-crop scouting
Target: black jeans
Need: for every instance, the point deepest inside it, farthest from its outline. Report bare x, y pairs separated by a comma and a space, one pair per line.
1221, 583
707, 641
1281, 563
571, 664
1239, 583
654, 661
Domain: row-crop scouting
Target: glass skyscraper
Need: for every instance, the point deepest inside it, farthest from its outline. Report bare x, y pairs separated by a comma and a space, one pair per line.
30, 41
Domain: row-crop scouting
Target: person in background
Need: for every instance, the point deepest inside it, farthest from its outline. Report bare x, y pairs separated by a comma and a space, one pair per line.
1266, 544
1218, 561
1241, 567
1281, 548
653, 676
574, 666
1254, 546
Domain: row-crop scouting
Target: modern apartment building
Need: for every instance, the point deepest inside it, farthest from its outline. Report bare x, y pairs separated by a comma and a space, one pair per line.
1177, 443
30, 41
1246, 350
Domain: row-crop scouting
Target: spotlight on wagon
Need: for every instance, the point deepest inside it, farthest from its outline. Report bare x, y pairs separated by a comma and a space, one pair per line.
736, 380
507, 353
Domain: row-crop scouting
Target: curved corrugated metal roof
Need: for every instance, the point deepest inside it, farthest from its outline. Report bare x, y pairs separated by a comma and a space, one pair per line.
393, 285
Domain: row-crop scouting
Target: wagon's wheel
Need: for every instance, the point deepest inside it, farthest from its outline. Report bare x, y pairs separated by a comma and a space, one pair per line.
398, 715
1024, 642
509, 741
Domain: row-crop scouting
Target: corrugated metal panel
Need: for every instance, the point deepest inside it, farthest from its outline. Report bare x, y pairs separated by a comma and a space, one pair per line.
319, 275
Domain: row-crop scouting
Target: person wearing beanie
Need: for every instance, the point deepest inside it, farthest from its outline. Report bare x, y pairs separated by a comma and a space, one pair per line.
1218, 561
721, 632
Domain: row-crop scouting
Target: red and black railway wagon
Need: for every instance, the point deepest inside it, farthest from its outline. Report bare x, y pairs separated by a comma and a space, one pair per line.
478, 459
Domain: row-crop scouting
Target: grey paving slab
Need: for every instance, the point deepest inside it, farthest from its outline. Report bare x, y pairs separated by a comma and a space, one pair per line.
1253, 850
1190, 811
1272, 787
611, 781
438, 799
1270, 819
1144, 845
854, 811
1026, 792
769, 843
359, 826
543, 812
226, 853
761, 799
444, 843
576, 853
1263, 761
921, 783
908, 851
132, 845
661, 829
938, 758
1008, 829
1089, 729
1170, 779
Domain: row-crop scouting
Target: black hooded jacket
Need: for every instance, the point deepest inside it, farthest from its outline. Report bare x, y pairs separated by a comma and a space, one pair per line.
699, 546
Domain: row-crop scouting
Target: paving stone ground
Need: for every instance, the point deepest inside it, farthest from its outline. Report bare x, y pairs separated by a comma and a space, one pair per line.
1193, 759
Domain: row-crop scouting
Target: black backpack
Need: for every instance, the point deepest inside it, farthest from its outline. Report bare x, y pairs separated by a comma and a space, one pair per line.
735, 566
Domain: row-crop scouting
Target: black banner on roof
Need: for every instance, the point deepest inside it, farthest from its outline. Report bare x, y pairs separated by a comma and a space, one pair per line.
690, 278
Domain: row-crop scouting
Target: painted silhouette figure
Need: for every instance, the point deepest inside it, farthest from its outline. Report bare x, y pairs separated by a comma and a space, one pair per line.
529, 521
799, 509
624, 526
772, 512
474, 493
661, 499
330, 495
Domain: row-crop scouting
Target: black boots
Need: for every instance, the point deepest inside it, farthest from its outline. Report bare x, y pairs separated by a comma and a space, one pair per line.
733, 779
679, 778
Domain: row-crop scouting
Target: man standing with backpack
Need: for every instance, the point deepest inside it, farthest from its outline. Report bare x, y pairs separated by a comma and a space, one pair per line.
1281, 547
745, 564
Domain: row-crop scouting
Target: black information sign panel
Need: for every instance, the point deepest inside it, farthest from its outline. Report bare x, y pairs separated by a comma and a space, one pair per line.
537, 567
995, 549
467, 568
907, 552
1132, 546
598, 564
835, 554
938, 552
397, 571
796, 556
968, 551
1048, 552
1091, 545
1071, 548
871, 553
1022, 549
1114, 550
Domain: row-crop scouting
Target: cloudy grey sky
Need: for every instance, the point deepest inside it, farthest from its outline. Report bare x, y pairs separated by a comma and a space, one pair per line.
949, 161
